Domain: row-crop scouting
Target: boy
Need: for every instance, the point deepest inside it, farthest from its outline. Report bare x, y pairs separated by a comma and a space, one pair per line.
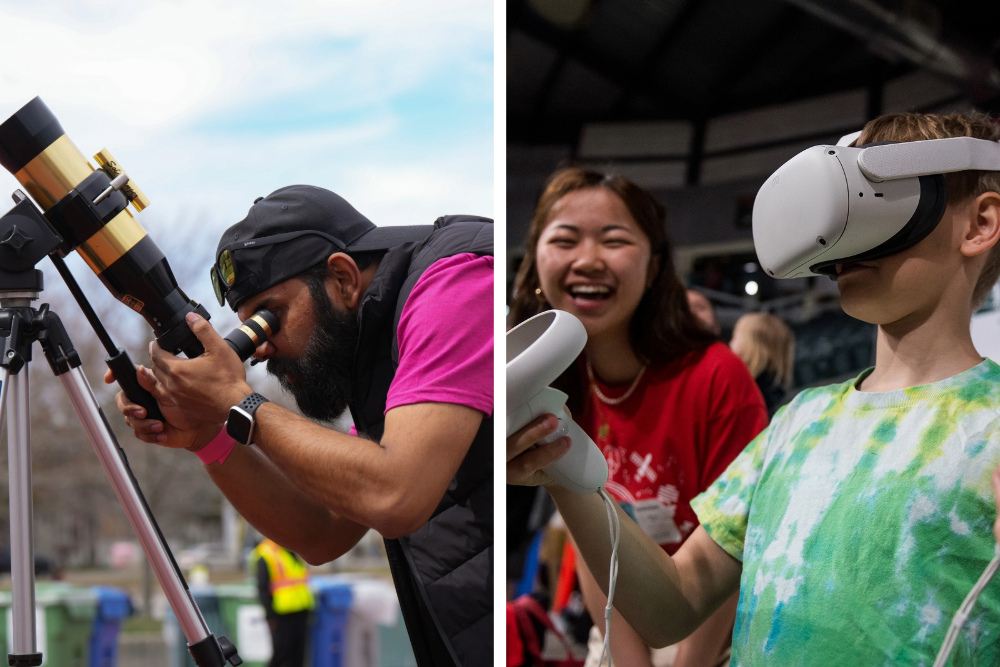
855, 525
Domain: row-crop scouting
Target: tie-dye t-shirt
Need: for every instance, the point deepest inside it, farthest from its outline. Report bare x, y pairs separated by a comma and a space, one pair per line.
863, 519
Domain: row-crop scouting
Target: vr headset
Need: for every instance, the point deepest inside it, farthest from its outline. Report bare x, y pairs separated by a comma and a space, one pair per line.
830, 205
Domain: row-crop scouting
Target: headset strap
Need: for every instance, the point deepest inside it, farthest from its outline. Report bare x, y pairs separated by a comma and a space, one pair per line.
908, 159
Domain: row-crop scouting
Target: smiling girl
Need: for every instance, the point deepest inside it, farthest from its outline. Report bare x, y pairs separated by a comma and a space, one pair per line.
667, 403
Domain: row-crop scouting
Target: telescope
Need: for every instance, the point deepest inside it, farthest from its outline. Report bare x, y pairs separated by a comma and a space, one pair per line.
88, 208
79, 207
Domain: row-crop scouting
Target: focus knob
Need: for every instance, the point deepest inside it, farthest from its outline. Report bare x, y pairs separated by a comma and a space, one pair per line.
131, 191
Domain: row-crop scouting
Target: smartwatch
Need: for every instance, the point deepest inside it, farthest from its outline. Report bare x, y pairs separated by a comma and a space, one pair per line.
240, 424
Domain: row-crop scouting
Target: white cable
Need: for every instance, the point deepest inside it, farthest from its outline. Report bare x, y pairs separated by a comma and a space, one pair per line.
963, 612
614, 531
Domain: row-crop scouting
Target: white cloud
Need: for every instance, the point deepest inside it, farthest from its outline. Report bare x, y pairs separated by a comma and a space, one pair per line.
170, 61
157, 82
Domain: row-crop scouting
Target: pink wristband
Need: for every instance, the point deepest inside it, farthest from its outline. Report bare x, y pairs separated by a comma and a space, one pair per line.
218, 450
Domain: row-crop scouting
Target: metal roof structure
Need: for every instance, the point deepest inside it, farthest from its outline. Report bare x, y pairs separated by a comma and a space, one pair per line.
574, 62
699, 100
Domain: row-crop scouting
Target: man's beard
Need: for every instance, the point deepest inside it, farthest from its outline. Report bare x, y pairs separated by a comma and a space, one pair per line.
320, 380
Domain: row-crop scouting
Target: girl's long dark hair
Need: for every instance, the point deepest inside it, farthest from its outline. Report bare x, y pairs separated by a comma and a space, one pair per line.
662, 327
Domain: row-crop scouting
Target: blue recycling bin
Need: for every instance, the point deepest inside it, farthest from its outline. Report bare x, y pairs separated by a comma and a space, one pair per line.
112, 606
329, 634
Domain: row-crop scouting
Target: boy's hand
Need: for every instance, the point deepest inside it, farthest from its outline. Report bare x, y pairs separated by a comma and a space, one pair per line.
525, 461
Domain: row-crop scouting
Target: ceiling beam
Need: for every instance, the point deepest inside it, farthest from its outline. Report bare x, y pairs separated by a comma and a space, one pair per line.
748, 59
568, 45
638, 81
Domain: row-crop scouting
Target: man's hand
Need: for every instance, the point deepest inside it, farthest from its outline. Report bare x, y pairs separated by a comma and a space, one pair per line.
179, 432
525, 463
204, 388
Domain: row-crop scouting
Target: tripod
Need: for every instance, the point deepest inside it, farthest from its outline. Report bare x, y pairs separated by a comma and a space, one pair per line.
21, 325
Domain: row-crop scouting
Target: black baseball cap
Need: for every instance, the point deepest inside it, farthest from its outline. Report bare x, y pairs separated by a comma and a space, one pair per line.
290, 230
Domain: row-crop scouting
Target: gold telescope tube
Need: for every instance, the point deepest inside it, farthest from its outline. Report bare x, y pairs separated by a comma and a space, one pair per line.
87, 208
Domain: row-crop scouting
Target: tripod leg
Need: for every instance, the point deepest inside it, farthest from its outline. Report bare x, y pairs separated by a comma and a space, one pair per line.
116, 467
22, 647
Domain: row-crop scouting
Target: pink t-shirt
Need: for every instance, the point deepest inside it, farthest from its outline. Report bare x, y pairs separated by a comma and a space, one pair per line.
446, 337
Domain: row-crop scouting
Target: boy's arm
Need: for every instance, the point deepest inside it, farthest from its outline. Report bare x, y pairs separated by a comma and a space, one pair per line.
704, 646
701, 648
627, 647
664, 599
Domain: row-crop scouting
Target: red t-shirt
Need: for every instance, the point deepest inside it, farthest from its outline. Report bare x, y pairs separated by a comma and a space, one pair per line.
679, 430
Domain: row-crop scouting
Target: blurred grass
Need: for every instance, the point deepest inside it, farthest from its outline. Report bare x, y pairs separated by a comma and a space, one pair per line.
134, 624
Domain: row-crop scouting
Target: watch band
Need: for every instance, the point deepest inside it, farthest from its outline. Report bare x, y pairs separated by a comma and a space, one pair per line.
240, 425
251, 403
218, 450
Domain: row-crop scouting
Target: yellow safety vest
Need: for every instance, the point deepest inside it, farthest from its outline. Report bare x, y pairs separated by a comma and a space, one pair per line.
289, 578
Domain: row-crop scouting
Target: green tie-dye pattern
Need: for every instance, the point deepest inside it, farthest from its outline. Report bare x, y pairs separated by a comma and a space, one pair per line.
863, 520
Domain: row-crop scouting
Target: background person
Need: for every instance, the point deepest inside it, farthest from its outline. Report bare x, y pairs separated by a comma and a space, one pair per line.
767, 346
702, 309
395, 323
283, 591
667, 404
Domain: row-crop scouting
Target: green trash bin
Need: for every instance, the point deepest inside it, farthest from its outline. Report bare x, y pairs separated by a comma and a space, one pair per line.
395, 645
208, 603
246, 620
64, 622
5, 601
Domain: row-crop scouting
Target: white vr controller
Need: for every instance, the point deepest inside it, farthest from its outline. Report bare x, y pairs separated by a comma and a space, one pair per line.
538, 351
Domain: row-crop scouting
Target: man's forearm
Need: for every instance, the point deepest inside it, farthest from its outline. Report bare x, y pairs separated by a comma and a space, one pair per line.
350, 475
392, 487
649, 592
280, 510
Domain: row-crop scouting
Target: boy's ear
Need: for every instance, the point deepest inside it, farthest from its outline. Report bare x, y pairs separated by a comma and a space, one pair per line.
983, 231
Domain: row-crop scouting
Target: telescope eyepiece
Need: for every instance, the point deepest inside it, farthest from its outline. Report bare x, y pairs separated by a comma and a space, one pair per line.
250, 335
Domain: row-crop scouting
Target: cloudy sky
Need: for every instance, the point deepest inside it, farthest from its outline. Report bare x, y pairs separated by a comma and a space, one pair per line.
209, 104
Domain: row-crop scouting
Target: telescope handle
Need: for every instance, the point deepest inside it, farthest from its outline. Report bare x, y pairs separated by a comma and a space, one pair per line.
124, 370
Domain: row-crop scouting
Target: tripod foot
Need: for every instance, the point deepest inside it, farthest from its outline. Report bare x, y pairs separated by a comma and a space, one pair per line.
24, 659
214, 652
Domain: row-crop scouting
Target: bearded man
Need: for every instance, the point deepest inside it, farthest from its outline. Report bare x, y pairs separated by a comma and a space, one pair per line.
394, 323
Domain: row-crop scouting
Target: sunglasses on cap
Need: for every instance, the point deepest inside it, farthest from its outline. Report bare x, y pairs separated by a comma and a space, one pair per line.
223, 272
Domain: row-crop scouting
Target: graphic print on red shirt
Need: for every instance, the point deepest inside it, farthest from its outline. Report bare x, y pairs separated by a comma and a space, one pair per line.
678, 431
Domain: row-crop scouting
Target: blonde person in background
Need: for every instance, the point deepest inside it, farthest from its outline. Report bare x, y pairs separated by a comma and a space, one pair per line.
767, 346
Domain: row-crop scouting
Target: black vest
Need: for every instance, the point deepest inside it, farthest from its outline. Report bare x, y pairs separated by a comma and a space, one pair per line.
443, 572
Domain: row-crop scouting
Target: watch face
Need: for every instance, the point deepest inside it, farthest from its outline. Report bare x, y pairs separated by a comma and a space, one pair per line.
239, 426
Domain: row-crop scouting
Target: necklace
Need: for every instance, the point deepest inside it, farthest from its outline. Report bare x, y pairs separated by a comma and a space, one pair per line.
612, 401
